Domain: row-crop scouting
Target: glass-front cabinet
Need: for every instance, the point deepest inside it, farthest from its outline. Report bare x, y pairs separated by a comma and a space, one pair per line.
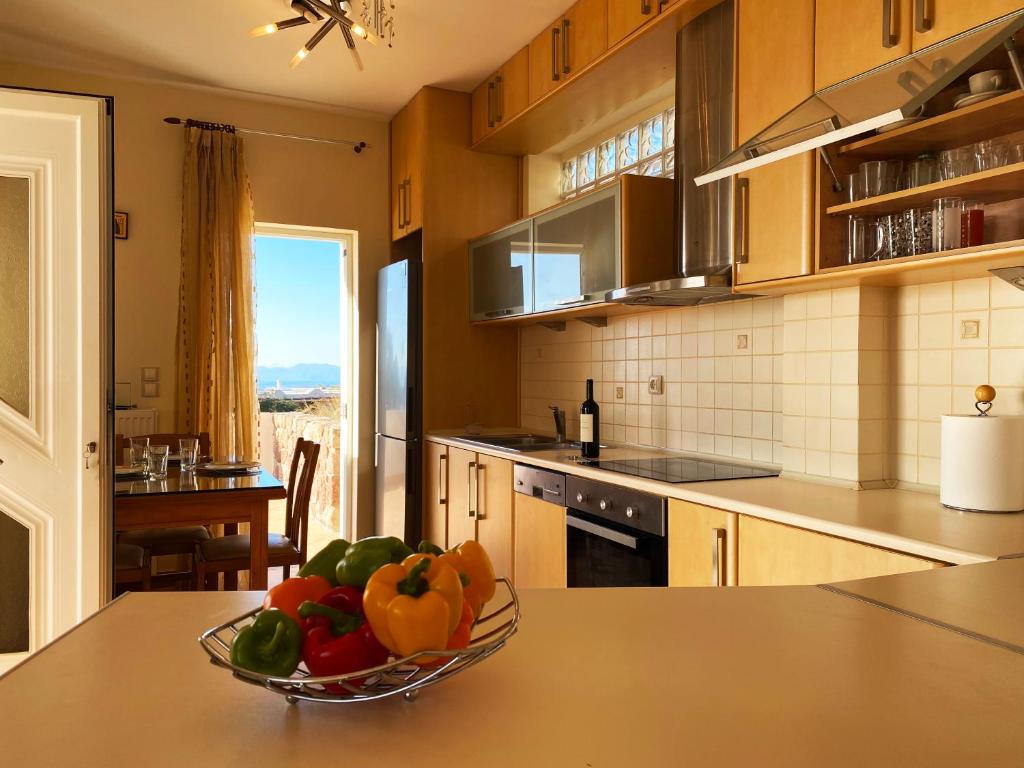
576, 252
501, 273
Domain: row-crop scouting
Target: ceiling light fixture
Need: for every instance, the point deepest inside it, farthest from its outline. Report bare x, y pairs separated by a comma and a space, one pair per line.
375, 24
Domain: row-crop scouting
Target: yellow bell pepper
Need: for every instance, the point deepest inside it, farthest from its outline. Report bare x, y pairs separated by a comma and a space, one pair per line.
413, 606
472, 560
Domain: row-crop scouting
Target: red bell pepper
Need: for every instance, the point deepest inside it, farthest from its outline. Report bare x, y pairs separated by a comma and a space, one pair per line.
338, 642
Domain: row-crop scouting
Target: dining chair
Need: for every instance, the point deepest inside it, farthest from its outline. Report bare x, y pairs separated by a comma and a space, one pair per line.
169, 541
131, 565
230, 554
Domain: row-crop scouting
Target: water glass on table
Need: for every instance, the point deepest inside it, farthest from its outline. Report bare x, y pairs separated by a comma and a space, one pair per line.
138, 453
157, 462
188, 449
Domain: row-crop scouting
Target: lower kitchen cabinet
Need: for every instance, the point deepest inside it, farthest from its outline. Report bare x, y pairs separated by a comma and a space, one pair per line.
772, 554
435, 494
539, 543
701, 545
479, 496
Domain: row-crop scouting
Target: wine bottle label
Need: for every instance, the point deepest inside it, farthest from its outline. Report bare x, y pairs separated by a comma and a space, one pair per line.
586, 427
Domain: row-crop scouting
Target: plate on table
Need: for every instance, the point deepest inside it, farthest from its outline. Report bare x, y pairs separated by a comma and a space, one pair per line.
231, 467
976, 98
128, 473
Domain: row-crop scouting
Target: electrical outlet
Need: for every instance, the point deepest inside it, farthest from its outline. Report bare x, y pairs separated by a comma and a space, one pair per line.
620, 393
656, 385
970, 329
742, 341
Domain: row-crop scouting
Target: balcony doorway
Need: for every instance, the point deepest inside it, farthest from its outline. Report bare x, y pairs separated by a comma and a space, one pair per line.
305, 353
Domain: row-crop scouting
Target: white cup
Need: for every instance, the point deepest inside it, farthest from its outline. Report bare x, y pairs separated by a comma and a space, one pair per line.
989, 80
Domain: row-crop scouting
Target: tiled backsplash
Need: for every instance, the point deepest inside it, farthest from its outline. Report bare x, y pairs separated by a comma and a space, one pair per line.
845, 384
721, 366
948, 338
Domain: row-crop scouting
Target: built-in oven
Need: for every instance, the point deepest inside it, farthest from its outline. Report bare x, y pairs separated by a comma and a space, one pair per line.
615, 537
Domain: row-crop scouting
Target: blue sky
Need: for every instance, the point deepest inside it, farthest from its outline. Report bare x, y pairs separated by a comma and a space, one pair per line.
298, 287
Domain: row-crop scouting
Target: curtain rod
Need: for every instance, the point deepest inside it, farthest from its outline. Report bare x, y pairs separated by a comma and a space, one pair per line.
357, 146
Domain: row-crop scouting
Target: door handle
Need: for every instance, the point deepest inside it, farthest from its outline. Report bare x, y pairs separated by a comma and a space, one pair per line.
469, 488
717, 557
442, 478
889, 38
408, 201
480, 515
566, 69
554, 53
490, 104
401, 209
742, 216
499, 97
923, 20
645, 7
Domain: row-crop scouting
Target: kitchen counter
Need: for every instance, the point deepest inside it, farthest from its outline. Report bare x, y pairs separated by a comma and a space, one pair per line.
787, 676
901, 520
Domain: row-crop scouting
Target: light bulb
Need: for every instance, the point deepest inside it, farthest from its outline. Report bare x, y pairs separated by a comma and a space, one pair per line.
298, 58
358, 31
263, 29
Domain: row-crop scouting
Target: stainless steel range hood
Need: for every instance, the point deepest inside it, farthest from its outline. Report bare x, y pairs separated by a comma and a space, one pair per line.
703, 215
877, 98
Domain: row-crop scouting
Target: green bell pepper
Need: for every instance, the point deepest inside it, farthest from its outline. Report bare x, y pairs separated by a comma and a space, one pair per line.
366, 556
325, 562
429, 548
271, 645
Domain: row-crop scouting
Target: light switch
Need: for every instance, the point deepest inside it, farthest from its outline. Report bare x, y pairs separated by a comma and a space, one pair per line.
742, 341
620, 393
970, 329
656, 385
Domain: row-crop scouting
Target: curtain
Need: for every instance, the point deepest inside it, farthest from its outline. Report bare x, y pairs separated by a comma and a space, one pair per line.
216, 376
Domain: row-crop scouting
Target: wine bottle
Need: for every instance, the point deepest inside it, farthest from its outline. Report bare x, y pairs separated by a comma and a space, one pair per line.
590, 425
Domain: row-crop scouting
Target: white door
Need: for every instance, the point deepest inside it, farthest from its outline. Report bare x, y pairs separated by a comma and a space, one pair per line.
55, 221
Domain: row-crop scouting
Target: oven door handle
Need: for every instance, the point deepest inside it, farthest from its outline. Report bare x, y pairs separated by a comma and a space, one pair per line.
599, 530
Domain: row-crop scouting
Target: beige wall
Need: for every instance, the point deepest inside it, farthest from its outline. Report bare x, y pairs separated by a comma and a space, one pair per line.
293, 182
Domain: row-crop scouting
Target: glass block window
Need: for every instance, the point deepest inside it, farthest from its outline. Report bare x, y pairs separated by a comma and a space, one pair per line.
647, 148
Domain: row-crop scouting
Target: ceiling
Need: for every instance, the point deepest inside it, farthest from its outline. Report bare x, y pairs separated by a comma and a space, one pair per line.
453, 44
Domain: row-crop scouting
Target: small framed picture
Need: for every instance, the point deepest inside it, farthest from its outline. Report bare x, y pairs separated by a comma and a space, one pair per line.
120, 225
151, 389
151, 374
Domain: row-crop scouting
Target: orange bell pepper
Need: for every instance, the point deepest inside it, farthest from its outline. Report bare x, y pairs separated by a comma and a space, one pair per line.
291, 593
471, 560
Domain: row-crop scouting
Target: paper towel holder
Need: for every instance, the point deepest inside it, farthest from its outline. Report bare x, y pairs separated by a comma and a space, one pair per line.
984, 395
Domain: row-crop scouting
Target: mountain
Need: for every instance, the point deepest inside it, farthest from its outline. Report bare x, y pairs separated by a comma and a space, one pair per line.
301, 375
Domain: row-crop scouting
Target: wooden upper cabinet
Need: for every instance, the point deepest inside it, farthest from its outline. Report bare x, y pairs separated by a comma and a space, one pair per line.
772, 555
501, 96
567, 45
435, 494
935, 20
774, 203
407, 137
701, 545
482, 109
494, 511
627, 16
539, 543
851, 36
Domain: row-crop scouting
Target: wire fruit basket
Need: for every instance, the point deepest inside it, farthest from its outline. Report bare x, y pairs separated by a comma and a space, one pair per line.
401, 677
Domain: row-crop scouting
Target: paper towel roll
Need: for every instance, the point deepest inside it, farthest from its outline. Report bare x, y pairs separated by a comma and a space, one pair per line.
983, 463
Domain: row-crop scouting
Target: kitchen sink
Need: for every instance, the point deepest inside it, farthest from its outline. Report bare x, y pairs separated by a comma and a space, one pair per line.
519, 442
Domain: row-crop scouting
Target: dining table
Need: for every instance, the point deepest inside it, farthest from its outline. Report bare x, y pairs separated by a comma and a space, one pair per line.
187, 498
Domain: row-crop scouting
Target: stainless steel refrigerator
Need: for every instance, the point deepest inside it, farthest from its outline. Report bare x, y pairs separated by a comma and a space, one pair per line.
397, 457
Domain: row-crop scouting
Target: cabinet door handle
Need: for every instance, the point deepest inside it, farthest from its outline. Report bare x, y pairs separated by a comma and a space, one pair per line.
554, 53
480, 513
408, 201
923, 20
566, 69
469, 488
401, 204
499, 97
889, 38
490, 104
717, 557
442, 478
742, 220
645, 7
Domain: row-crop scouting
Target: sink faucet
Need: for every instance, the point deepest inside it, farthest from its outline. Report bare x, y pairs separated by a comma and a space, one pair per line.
559, 415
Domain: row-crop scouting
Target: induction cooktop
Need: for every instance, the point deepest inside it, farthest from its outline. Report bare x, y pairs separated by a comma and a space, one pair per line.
679, 470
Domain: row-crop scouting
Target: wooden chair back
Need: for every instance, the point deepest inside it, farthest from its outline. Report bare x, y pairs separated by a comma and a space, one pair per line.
170, 439
300, 489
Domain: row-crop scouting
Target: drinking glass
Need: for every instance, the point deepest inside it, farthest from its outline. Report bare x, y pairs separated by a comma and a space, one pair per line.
157, 462
880, 177
946, 223
923, 170
972, 223
1017, 152
991, 153
896, 236
956, 162
188, 448
918, 222
854, 187
860, 239
138, 453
